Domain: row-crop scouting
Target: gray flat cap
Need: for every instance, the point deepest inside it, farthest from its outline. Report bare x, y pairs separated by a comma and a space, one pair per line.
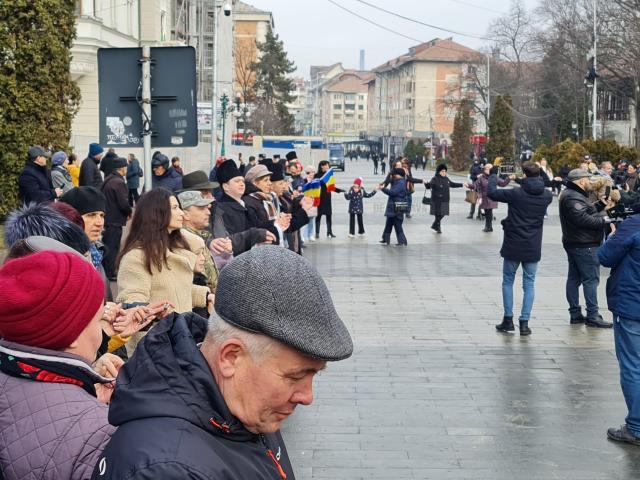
275, 292
257, 172
578, 173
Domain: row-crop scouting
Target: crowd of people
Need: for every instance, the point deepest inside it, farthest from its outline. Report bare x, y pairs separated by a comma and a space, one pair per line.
183, 313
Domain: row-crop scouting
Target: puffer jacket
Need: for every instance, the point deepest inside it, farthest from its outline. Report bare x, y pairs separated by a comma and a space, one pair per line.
582, 227
51, 427
621, 253
173, 422
171, 180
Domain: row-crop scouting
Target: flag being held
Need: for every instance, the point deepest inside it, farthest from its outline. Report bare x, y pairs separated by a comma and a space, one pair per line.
329, 180
312, 189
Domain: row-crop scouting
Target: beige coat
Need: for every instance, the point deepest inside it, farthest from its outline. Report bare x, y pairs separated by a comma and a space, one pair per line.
173, 283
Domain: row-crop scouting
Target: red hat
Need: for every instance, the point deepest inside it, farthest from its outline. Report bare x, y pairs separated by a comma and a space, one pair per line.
48, 299
358, 181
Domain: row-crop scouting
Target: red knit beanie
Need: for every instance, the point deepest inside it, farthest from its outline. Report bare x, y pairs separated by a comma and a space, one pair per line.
47, 299
358, 181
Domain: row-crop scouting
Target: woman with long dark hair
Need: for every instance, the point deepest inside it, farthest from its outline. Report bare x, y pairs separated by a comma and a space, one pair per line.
155, 263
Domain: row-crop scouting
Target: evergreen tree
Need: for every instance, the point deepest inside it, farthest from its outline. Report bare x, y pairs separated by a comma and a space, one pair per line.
501, 139
273, 88
461, 137
38, 98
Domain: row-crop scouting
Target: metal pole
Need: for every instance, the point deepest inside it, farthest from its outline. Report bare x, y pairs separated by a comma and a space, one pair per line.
488, 93
224, 122
594, 125
214, 96
146, 115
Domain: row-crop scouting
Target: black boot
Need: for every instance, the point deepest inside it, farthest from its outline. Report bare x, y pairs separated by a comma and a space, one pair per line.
506, 325
524, 328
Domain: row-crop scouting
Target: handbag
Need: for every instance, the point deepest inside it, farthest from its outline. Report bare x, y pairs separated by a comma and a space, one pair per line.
471, 196
426, 200
401, 207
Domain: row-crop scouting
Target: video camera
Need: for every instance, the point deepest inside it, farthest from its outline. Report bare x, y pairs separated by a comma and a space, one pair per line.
620, 212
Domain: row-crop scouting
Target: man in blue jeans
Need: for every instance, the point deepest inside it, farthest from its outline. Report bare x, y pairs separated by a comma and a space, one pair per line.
582, 233
522, 243
621, 253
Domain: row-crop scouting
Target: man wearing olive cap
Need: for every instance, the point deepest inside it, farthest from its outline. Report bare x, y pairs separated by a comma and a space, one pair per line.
214, 411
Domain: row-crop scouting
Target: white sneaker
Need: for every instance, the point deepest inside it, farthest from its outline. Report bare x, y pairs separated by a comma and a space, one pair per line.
350, 236
361, 234
311, 239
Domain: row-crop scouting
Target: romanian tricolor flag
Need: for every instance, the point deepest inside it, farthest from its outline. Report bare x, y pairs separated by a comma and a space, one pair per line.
312, 189
329, 181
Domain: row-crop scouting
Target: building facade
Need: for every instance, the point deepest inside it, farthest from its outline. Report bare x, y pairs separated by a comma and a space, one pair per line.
417, 95
102, 24
344, 101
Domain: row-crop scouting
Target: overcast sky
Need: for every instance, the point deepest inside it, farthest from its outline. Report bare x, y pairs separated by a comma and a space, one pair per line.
317, 32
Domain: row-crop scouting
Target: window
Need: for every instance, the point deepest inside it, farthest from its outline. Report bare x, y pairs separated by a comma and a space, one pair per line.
360, 107
360, 117
349, 126
337, 116
361, 98
337, 106
348, 115
350, 97
350, 107
408, 103
337, 96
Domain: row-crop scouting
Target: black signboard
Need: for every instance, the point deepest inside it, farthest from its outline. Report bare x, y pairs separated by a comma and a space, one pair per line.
173, 97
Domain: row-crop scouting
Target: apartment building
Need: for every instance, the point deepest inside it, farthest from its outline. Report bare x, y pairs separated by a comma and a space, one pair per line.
344, 109
416, 95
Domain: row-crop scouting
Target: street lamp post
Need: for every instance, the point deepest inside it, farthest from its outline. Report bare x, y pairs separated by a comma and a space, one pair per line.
224, 101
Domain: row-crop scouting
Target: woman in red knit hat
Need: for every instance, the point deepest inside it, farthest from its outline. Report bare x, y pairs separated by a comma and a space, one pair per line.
53, 414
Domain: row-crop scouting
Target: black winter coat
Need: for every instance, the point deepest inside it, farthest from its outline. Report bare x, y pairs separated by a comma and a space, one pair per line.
173, 422
525, 218
582, 227
325, 197
242, 241
90, 175
440, 195
397, 193
254, 199
116, 193
35, 185
171, 180
299, 219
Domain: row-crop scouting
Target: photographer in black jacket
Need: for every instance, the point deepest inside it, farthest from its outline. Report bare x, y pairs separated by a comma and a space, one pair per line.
582, 234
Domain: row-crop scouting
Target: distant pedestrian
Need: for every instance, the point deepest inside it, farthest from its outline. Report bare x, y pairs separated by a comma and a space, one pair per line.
74, 169
60, 176
522, 243
134, 172
481, 186
34, 182
164, 175
396, 206
440, 185
375, 163
175, 163
355, 195
90, 175
383, 165
117, 213
474, 171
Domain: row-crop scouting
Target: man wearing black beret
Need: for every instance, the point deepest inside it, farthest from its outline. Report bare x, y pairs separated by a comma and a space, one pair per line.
206, 401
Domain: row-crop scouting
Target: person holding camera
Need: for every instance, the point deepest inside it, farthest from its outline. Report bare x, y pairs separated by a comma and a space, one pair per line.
621, 253
582, 233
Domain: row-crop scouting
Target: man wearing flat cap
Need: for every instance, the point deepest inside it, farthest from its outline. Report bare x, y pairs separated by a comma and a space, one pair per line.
35, 184
582, 233
206, 401
116, 213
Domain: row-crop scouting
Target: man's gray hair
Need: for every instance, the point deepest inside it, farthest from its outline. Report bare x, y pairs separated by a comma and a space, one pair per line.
219, 331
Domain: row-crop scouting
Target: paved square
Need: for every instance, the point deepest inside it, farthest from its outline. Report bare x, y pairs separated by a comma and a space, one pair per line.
432, 391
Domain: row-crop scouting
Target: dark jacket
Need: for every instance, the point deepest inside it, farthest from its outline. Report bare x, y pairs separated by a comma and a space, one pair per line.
298, 182
525, 218
173, 422
621, 253
134, 172
90, 175
474, 171
171, 180
299, 219
481, 186
50, 428
243, 240
257, 203
35, 185
397, 193
117, 200
324, 208
440, 195
355, 199
582, 227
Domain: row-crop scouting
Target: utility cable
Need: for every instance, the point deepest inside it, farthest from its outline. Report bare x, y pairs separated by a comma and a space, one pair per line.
422, 23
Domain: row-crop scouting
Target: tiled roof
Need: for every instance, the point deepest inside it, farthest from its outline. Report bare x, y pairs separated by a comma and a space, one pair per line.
242, 7
350, 81
436, 50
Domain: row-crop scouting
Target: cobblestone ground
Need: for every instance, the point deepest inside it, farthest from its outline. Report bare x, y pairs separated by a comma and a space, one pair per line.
432, 391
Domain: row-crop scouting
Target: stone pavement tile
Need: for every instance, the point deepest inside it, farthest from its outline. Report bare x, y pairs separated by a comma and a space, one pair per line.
432, 390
